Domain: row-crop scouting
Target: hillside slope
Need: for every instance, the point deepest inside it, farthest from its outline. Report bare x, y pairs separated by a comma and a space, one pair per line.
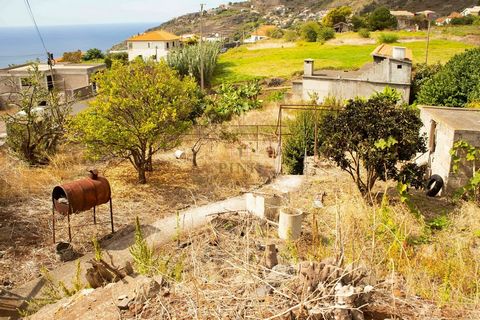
240, 16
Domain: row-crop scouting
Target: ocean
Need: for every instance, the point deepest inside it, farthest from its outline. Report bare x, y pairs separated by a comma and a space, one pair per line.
21, 44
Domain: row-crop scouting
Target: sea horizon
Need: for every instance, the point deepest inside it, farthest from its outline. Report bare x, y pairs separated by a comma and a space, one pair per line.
21, 44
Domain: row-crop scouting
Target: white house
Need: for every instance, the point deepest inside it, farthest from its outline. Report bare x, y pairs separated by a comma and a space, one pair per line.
474, 11
260, 34
152, 45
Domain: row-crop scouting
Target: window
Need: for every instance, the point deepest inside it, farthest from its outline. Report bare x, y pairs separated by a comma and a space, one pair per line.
168, 44
399, 66
173, 44
149, 45
130, 45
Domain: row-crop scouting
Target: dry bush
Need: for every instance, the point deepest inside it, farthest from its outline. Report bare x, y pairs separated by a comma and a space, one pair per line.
436, 257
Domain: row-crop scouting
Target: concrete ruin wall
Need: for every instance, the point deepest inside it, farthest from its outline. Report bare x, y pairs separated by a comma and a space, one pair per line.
345, 88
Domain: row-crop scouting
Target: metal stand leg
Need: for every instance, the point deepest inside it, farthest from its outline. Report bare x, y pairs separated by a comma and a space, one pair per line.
53, 220
94, 216
69, 229
111, 215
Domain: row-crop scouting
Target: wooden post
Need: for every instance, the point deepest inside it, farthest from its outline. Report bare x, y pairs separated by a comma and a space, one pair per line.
53, 219
68, 219
94, 216
111, 216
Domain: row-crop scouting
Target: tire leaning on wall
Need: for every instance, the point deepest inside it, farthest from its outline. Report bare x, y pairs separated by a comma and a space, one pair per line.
434, 185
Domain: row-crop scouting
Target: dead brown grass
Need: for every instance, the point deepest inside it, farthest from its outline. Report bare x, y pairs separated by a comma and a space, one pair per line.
25, 199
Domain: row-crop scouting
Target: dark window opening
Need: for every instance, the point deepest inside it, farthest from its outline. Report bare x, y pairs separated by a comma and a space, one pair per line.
399, 66
50, 83
168, 44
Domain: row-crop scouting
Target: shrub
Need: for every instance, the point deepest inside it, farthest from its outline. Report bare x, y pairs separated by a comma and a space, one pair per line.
144, 258
358, 22
122, 57
375, 135
387, 38
187, 60
290, 35
73, 56
456, 84
467, 20
364, 33
325, 33
336, 15
35, 132
381, 19
310, 31
299, 142
276, 33
92, 54
421, 73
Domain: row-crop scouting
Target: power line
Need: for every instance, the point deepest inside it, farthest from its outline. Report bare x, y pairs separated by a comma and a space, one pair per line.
29, 9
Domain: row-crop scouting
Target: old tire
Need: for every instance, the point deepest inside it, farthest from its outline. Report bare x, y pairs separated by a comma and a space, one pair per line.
434, 185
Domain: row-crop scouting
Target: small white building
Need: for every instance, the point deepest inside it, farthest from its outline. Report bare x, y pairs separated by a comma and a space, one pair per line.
391, 66
260, 34
443, 127
152, 45
474, 11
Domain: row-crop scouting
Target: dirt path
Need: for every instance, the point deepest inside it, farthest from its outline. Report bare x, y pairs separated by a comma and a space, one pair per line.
156, 233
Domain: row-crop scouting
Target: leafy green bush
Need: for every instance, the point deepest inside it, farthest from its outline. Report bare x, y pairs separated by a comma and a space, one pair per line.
144, 258
462, 21
358, 22
381, 19
276, 33
299, 142
364, 33
92, 54
387, 38
325, 33
290, 35
421, 73
375, 135
187, 60
117, 56
456, 84
310, 30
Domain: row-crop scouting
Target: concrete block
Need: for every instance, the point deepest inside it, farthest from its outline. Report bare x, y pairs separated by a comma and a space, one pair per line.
260, 207
250, 202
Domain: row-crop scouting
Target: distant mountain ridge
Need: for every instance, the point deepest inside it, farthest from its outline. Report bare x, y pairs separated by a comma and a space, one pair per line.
240, 18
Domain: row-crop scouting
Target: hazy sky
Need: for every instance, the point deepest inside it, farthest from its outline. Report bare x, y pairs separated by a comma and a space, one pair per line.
65, 12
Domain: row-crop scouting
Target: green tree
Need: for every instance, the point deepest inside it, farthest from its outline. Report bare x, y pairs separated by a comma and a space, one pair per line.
309, 31
336, 15
381, 19
371, 139
358, 23
276, 33
187, 60
457, 84
92, 54
300, 141
141, 108
35, 132
421, 73
119, 56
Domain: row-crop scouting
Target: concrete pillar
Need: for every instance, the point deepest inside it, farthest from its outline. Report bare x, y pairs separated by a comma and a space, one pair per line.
308, 67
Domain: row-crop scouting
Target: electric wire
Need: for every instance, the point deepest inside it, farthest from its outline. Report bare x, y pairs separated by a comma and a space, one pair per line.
29, 9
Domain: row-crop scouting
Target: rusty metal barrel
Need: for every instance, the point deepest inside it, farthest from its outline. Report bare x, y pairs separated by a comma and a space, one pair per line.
81, 195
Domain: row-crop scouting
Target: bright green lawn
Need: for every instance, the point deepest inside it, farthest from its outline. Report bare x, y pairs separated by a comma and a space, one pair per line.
241, 64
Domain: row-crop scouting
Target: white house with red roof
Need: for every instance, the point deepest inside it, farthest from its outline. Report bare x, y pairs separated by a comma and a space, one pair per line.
152, 45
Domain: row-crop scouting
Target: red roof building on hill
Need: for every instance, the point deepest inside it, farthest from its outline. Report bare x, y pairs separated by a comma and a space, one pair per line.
152, 45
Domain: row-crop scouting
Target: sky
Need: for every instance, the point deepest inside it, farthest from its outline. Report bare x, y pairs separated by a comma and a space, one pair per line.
13, 13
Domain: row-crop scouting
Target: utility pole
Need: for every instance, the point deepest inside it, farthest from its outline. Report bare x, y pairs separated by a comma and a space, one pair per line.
428, 41
202, 80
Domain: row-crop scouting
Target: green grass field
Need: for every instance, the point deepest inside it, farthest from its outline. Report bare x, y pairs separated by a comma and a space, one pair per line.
241, 64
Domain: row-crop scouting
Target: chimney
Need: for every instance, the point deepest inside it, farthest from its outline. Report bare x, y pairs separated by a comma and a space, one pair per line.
399, 53
308, 67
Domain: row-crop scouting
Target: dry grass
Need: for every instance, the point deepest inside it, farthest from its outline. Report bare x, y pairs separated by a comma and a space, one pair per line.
433, 252
25, 198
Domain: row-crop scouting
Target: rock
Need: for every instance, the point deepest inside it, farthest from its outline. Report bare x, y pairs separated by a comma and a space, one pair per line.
148, 289
123, 304
123, 296
279, 274
262, 292
271, 259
